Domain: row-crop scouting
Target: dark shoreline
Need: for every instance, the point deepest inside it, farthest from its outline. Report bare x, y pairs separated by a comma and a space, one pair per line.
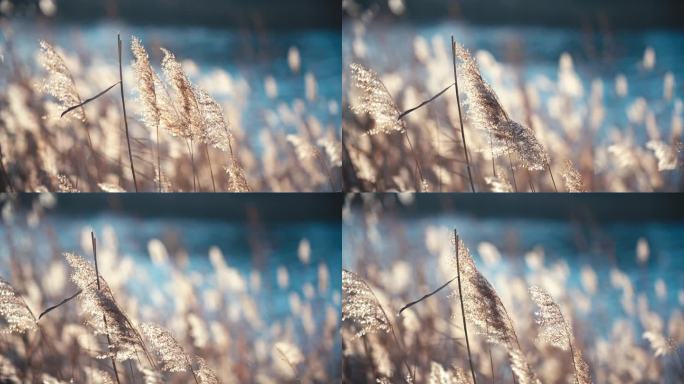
259, 15
586, 14
553, 206
270, 207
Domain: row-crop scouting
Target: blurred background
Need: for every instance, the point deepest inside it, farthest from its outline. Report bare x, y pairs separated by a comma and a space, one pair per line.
595, 80
274, 68
247, 41
229, 278
613, 262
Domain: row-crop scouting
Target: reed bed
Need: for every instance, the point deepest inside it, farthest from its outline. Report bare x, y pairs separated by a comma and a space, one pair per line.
405, 129
503, 314
95, 315
127, 117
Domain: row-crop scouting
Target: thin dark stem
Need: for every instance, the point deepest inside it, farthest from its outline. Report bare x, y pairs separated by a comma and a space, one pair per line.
49, 309
460, 296
406, 112
123, 106
491, 359
192, 161
460, 115
88, 100
548, 165
529, 178
572, 351
194, 376
510, 164
211, 171
409, 305
97, 278
415, 157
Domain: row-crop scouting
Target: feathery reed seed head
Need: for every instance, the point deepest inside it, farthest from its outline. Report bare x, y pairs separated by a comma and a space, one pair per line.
103, 313
572, 178
171, 353
59, 82
145, 80
484, 308
487, 113
360, 305
376, 101
556, 331
15, 315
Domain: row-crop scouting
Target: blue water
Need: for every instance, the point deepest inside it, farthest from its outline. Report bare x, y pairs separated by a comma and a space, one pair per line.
244, 55
601, 246
595, 54
277, 246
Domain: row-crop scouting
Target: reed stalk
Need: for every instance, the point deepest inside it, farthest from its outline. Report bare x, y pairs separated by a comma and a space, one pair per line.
415, 158
123, 106
460, 116
460, 296
211, 171
97, 277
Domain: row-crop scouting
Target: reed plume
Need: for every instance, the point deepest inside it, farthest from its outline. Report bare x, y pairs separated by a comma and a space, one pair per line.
205, 374
556, 331
484, 309
187, 123
376, 101
171, 353
15, 315
486, 112
216, 132
59, 82
215, 128
361, 306
572, 178
145, 80
104, 315
237, 182
165, 346
147, 95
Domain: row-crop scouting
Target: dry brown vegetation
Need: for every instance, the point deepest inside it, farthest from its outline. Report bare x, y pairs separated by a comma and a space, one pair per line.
500, 324
409, 131
81, 318
140, 130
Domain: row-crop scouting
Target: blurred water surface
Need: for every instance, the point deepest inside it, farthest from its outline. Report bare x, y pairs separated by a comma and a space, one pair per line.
260, 249
247, 57
535, 52
564, 246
